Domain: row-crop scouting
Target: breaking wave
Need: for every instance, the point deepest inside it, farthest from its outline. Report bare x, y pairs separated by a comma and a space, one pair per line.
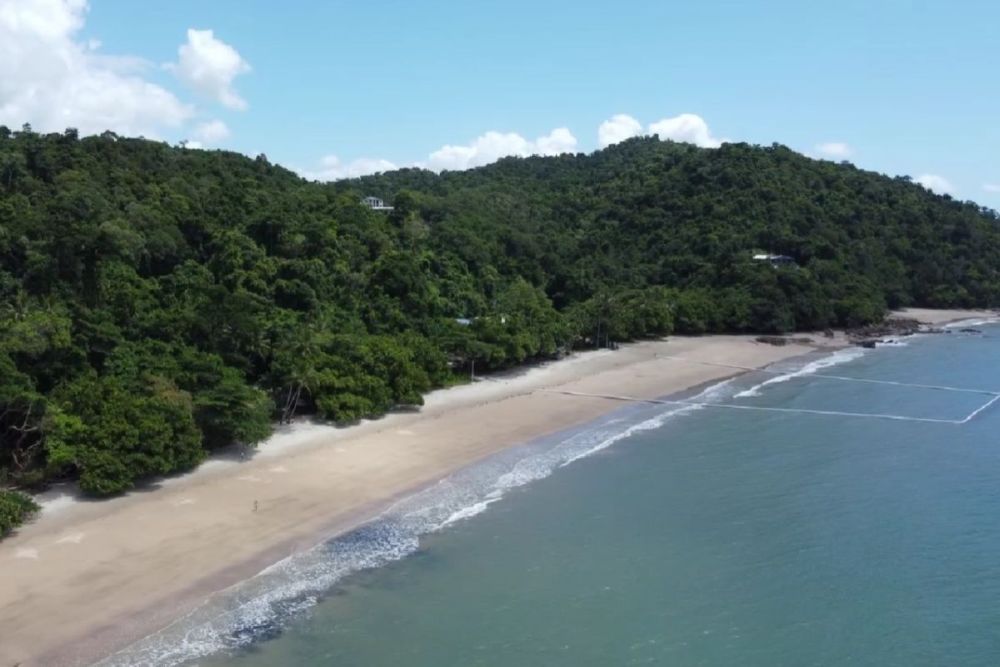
839, 357
971, 322
893, 342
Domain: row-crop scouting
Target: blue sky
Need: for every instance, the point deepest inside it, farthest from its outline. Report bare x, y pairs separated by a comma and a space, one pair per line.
906, 86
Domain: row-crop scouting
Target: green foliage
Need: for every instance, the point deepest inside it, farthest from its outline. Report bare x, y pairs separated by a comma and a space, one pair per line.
695, 312
624, 315
113, 436
15, 509
157, 303
358, 377
225, 408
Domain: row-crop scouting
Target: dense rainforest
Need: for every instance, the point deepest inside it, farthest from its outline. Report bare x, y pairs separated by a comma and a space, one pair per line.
158, 302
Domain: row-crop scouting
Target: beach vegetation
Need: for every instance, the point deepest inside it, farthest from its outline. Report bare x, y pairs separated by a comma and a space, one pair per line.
15, 509
158, 303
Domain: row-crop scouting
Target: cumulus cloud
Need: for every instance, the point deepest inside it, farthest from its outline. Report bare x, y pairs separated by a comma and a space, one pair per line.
992, 187
616, 129
208, 66
834, 149
687, 127
211, 132
331, 168
556, 142
937, 184
53, 80
484, 149
493, 145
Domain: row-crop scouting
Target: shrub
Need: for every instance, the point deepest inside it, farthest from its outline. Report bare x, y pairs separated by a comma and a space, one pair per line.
15, 509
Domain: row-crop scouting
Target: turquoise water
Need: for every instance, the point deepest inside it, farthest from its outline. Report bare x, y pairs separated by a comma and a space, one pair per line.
705, 537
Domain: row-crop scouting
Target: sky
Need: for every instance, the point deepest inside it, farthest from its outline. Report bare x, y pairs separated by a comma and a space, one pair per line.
335, 89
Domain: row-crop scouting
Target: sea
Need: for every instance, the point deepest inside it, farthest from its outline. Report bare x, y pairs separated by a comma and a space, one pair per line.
853, 520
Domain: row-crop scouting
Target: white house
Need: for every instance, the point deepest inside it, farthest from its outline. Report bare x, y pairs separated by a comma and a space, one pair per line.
375, 204
774, 260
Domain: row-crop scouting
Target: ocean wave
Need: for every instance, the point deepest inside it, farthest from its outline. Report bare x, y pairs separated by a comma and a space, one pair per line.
259, 607
648, 425
971, 322
838, 357
893, 342
709, 395
468, 512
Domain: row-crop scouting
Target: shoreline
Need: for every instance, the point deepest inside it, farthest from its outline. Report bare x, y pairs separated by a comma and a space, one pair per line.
93, 577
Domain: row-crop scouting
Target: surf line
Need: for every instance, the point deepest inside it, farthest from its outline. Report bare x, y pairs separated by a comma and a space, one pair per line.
980, 409
761, 408
938, 387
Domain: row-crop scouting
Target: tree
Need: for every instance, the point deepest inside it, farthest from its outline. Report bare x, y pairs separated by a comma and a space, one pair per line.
157, 302
113, 437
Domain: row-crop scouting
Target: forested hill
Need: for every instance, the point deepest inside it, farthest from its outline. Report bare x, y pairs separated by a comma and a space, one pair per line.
650, 212
159, 302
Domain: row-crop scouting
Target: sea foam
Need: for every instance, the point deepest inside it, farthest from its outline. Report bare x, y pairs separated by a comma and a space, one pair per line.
971, 322
837, 358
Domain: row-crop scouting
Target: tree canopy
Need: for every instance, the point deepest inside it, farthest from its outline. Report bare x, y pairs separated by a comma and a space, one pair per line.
158, 302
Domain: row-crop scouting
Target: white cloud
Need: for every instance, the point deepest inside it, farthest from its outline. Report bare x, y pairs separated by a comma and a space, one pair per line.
992, 187
687, 127
937, 184
616, 129
331, 168
834, 149
51, 79
557, 142
210, 132
493, 145
208, 65
485, 149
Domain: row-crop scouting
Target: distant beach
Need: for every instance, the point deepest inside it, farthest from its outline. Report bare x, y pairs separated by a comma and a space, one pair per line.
87, 578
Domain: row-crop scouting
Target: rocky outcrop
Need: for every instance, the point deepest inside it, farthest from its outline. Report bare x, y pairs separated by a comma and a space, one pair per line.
772, 340
891, 327
784, 340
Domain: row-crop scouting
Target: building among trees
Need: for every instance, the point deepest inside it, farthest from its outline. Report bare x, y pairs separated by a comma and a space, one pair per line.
375, 204
774, 260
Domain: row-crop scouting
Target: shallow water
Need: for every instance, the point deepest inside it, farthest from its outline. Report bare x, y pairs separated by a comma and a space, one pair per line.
673, 536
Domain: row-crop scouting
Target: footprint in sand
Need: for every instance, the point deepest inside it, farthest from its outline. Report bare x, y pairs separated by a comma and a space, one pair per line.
404, 432
31, 554
278, 469
183, 501
75, 538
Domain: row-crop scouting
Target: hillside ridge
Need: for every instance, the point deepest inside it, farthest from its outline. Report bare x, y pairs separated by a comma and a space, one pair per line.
159, 302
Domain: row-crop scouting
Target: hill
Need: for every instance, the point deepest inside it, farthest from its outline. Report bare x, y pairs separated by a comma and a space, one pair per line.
651, 212
159, 302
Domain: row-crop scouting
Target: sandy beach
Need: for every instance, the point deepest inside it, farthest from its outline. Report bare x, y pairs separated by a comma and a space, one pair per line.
87, 578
